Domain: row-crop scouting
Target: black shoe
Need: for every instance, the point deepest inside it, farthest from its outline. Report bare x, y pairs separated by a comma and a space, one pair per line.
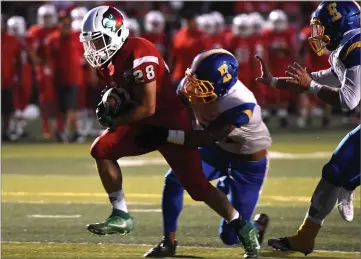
262, 220
164, 249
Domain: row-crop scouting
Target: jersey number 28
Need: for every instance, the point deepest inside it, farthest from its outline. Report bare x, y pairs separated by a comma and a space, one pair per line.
148, 73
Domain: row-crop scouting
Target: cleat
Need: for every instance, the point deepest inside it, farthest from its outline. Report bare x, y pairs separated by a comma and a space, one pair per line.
247, 235
263, 221
284, 245
164, 249
345, 204
121, 223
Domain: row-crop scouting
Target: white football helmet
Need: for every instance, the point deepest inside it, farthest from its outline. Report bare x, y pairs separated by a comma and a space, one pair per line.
241, 26
47, 16
207, 24
77, 15
220, 22
154, 22
133, 27
104, 31
16, 26
278, 20
257, 22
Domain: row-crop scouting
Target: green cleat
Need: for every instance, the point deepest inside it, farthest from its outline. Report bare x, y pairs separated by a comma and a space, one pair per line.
247, 235
118, 222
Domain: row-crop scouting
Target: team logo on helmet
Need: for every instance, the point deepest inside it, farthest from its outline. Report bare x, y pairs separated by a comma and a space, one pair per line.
112, 20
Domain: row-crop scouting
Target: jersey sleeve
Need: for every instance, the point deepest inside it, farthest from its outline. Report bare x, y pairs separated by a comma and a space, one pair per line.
239, 115
146, 63
326, 77
350, 88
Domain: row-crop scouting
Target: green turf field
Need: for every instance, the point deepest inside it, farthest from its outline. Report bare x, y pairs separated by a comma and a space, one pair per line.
51, 191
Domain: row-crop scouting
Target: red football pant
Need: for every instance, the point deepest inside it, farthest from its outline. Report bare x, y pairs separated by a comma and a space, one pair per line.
185, 162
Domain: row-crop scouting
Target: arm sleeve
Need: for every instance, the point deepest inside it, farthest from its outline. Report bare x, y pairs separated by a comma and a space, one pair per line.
326, 77
145, 64
350, 89
239, 115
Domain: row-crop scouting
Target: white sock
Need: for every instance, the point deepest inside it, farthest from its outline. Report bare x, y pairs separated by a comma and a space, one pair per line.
118, 201
236, 216
282, 113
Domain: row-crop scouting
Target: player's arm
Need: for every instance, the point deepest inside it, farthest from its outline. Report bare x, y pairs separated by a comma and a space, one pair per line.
145, 102
218, 129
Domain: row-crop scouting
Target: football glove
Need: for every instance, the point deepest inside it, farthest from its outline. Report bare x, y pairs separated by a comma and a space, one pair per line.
115, 101
152, 137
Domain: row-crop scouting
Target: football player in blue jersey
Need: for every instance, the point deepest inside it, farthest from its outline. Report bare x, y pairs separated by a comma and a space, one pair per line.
336, 27
233, 142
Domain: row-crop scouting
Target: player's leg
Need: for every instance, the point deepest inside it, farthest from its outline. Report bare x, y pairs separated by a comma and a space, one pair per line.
186, 164
245, 184
214, 166
341, 170
106, 150
7, 110
70, 105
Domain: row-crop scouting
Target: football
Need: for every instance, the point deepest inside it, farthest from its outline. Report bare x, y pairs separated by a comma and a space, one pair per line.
116, 101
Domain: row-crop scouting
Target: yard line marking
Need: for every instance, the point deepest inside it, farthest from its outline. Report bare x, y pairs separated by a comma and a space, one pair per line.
75, 202
40, 216
150, 245
126, 162
145, 210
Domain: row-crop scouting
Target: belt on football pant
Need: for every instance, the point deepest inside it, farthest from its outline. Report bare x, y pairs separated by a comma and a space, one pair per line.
253, 157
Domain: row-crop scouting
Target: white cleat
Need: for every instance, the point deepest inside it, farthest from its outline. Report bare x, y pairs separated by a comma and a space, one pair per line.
345, 204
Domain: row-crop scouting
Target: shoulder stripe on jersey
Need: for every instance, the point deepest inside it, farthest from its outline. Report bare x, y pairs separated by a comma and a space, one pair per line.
152, 59
352, 47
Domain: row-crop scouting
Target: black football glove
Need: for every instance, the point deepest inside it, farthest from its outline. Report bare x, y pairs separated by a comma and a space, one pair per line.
152, 137
103, 116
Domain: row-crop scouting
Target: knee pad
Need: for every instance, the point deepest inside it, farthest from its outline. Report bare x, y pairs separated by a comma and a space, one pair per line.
99, 151
199, 191
331, 173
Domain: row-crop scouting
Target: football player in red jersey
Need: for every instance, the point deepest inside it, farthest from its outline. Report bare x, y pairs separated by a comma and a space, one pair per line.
10, 76
208, 25
66, 73
36, 36
313, 62
240, 44
16, 26
135, 65
154, 24
279, 42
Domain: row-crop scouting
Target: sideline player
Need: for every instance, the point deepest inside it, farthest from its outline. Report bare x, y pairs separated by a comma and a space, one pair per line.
238, 158
335, 26
137, 66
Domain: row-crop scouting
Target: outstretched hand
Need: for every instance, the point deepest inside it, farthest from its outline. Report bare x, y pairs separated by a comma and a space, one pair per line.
299, 76
266, 76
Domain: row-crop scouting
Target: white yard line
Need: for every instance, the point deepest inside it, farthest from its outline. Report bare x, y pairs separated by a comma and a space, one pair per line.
126, 162
118, 244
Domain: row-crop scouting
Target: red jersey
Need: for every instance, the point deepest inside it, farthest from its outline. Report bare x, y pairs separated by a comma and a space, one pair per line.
159, 40
280, 47
312, 60
139, 62
186, 46
243, 50
36, 37
66, 58
10, 58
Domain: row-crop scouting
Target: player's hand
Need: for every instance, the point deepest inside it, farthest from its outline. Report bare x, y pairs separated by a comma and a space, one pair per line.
266, 76
152, 137
299, 76
103, 117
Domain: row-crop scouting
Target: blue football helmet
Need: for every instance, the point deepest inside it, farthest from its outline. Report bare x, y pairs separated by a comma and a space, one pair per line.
211, 75
332, 19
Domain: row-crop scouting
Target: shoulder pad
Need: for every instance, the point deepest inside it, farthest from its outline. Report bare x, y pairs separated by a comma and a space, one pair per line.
350, 53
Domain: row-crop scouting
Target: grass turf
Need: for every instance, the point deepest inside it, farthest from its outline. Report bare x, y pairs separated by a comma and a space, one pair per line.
43, 180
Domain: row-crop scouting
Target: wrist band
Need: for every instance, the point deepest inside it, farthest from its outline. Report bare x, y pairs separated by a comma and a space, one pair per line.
274, 81
176, 137
314, 87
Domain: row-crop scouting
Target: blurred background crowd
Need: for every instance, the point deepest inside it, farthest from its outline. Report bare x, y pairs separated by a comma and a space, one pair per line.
44, 77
